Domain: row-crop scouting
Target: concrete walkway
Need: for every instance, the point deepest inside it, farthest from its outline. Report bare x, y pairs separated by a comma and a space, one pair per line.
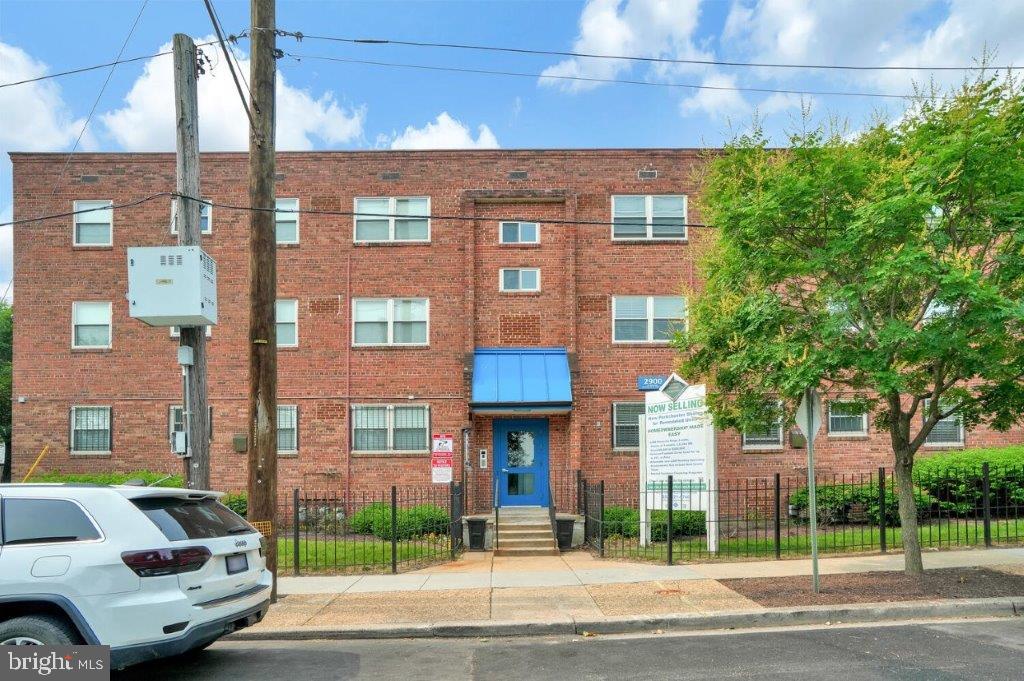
580, 568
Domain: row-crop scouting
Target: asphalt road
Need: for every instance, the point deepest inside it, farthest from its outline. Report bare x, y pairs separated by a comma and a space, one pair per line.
973, 650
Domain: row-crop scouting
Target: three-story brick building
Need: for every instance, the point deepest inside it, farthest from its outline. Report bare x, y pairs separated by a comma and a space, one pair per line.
517, 317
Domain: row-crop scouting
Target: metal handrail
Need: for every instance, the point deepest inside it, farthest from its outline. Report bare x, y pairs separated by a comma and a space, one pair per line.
495, 504
551, 513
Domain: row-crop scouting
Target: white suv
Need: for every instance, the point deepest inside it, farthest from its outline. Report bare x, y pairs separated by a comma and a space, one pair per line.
151, 572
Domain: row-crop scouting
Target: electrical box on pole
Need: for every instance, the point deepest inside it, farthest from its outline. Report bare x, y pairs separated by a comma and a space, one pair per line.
172, 286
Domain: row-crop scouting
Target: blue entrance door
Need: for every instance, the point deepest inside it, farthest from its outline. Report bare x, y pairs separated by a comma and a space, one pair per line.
521, 461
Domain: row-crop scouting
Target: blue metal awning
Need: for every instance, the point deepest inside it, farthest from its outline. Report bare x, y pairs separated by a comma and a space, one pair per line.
521, 380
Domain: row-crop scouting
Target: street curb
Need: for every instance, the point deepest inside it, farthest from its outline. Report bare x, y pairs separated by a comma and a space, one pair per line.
1012, 606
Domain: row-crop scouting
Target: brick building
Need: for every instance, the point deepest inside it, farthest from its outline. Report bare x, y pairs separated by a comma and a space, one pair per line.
518, 318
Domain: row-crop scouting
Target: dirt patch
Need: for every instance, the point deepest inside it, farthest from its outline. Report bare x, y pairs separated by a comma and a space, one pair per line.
879, 587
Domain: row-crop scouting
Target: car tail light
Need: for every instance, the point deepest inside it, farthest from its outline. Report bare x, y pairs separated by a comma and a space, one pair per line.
159, 562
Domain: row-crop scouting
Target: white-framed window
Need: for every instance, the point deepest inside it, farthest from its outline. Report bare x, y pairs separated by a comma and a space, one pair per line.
653, 217
647, 319
947, 431
205, 218
176, 332
287, 428
91, 430
176, 422
90, 324
96, 227
286, 224
286, 319
393, 218
515, 279
518, 233
390, 428
766, 438
847, 418
626, 424
390, 321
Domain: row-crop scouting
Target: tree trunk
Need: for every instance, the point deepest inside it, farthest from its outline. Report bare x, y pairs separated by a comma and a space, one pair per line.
908, 515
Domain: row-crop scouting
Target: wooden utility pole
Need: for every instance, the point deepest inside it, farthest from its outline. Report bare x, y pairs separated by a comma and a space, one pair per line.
195, 413
262, 280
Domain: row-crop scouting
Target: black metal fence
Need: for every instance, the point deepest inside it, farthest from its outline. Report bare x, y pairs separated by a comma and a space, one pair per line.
768, 517
370, 532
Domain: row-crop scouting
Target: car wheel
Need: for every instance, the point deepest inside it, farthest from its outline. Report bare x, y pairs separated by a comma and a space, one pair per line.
37, 630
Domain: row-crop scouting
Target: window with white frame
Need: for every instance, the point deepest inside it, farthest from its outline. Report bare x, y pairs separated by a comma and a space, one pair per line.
390, 428
90, 325
519, 232
286, 221
765, 438
176, 422
286, 318
390, 321
649, 217
95, 227
514, 279
394, 218
626, 424
287, 428
205, 218
90, 430
947, 431
647, 319
176, 331
847, 418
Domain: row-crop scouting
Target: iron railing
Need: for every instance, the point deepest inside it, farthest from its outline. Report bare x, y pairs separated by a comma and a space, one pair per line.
372, 531
768, 517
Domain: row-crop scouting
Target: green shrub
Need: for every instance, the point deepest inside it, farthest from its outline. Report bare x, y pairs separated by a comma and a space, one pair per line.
955, 479
362, 520
429, 519
237, 502
412, 522
149, 477
836, 501
621, 521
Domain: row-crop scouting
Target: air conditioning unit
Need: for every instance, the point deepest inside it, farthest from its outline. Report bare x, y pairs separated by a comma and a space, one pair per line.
172, 286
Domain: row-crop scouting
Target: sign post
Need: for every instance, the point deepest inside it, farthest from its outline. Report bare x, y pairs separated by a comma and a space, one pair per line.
677, 438
442, 455
808, 419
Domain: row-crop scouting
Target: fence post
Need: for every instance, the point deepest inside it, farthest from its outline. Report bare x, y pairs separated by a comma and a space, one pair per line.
778, 517
586, 516
295, 529
451, 518
882, 541
394, 529
986, 488
669, 529
600, 524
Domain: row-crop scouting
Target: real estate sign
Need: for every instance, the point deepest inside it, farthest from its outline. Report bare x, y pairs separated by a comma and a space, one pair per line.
677, 439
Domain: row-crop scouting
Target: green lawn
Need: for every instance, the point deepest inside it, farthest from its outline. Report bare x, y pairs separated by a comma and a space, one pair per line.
838, 539
357, 555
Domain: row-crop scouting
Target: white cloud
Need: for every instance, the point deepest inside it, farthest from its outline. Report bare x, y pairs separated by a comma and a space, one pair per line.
444, 132
642, 28
146, 121
716, 104
35, 116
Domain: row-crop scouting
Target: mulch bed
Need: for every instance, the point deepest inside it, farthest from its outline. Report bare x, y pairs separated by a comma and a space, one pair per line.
879, 587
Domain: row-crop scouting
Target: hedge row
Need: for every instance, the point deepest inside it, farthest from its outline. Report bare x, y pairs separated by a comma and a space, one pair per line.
148, 477
412, 522
625, 522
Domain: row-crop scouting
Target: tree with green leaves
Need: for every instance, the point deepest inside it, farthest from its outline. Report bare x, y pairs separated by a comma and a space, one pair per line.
886, 267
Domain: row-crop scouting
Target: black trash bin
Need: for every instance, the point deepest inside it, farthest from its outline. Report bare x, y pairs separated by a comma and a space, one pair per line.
477, 533
565, 527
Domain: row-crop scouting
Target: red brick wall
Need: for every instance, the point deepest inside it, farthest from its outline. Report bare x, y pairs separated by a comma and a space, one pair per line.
581, 269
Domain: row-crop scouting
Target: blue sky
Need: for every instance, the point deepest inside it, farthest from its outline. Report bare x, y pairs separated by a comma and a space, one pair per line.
327, 105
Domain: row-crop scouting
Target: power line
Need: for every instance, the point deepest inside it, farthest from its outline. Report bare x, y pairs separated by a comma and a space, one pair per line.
96, 67
99, 96
231, 65
621, 81
657, 60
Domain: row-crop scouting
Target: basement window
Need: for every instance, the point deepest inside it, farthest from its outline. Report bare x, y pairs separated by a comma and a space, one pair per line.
90, 430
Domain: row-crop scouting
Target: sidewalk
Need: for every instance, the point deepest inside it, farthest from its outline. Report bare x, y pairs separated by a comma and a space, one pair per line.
485, 595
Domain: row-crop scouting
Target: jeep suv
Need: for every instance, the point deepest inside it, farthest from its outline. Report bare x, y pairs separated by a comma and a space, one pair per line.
151, 572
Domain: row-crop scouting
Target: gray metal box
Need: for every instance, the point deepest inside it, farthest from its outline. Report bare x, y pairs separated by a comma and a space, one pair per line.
172, 286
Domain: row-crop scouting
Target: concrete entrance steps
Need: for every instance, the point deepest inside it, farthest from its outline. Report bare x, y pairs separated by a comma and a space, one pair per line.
525, 531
